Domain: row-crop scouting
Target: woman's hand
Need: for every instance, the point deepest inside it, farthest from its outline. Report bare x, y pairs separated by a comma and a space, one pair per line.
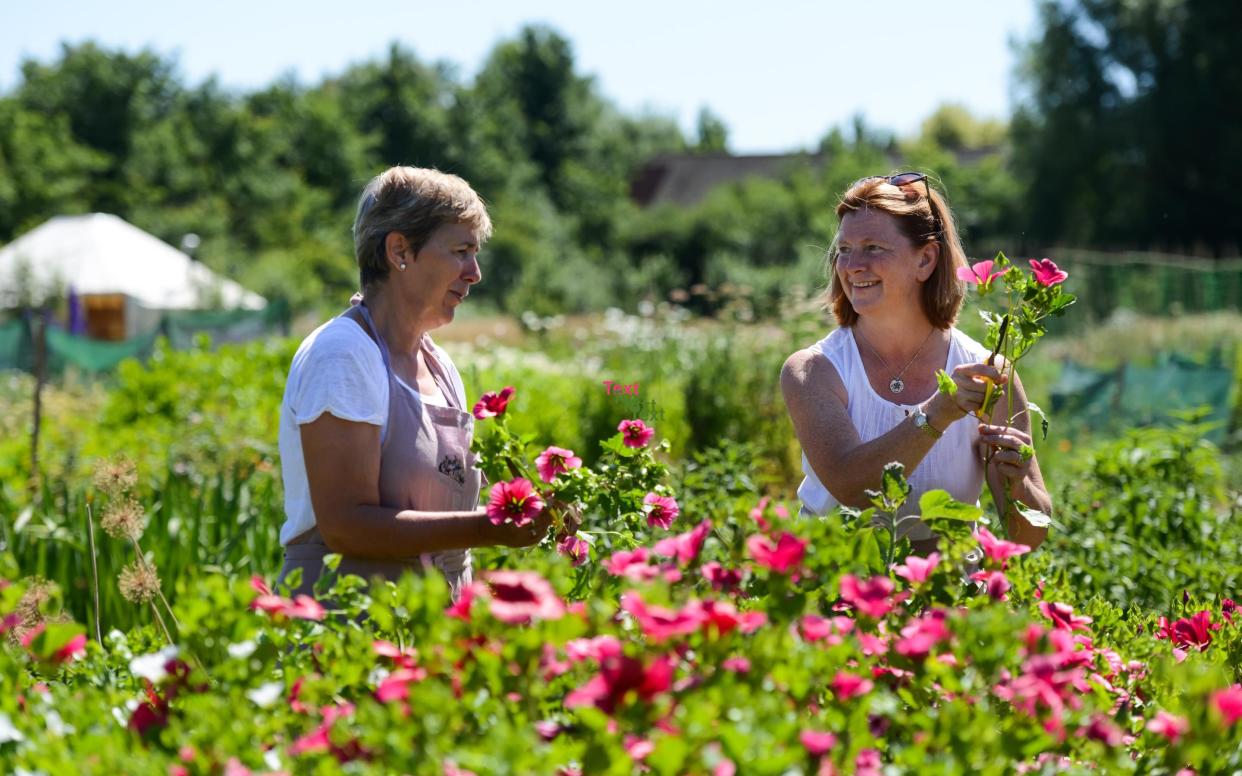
510, 535
1012, 454
969, 396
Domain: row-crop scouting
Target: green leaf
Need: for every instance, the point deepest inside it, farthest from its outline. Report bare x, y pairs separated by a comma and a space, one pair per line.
1027, 452
939, 505
293, 579
54, 637
944, 383
332, 560
894, 485
1034, 516
1043, 417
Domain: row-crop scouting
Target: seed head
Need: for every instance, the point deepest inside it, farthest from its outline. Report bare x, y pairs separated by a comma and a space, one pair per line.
123, 520
115, 476
139, 582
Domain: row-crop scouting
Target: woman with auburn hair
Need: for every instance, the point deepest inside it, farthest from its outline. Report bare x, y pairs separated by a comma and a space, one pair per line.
374, 428
866, 394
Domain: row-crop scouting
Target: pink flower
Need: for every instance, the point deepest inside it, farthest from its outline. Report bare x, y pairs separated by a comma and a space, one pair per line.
618, 676
555, 460
817, 742
576, 548
1168, 725
638, 748
1103, 730
460, 609
918, 570
980, 274
996, 582
1195, 631
921, 635
396, 686
785, 555
491, 404
1063, 617
867, 763
514, 500
635, 433
687, 546
305, 608
661, 510
738, 665
660, 624
597, 649
998, 549
1048, 273
870, 598
721, 577
1229, 703
519, 597
847, 686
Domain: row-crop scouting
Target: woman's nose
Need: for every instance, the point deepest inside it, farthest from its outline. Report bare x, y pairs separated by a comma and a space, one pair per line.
473, 273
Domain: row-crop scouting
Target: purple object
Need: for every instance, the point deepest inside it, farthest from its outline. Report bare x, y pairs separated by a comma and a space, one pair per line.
77, 320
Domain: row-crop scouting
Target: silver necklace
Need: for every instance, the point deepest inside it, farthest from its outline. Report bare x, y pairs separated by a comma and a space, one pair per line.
896, 385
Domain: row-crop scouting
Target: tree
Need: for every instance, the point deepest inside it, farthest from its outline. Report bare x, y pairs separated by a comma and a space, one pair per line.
1130, 111
713, 135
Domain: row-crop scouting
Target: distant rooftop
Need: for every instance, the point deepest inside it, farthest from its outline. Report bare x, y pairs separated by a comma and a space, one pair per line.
687, 179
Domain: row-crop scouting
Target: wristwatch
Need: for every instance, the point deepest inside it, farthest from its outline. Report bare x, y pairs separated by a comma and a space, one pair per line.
921, 422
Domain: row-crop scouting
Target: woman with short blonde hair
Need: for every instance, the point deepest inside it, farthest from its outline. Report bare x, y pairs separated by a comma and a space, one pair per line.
374, 429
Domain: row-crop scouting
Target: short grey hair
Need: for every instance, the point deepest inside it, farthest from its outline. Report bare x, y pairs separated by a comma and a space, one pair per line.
413, 201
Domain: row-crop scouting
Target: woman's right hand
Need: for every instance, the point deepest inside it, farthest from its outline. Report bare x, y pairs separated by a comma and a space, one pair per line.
510, 535
970, 393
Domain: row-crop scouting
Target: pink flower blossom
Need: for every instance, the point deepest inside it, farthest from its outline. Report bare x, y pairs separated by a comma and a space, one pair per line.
460, 609
597, 649
998, 549
846, 686
1102, 729
980, 274
1047, 273
817, 742
1194, 631
871, 598
782, 557
918, 570
635, 433
721, 577
518, 597
921, 635
632, 565
301, 607
1063, 617
1168, 725
660, 624
1229, 703
687, 546
403, 657
867, 763
555, 460
515, 500
661, 510
577, 549
396, 686
618, 676
996, 583
736, 664
491, 404
638, 748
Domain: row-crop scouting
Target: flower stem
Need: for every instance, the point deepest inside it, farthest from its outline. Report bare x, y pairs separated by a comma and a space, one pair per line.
90, 531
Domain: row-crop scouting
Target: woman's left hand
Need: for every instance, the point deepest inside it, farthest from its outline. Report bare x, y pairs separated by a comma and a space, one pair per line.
1010, 449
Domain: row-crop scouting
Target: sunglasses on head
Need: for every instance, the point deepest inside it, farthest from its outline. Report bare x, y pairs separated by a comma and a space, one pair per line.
905, 179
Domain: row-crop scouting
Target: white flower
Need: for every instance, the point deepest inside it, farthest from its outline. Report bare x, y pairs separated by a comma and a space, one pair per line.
267, 694
151, 667
55, 725
242, 649
7, 730
377, 676
271, 758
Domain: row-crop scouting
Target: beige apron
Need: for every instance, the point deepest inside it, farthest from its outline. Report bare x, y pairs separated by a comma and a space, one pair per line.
425, 465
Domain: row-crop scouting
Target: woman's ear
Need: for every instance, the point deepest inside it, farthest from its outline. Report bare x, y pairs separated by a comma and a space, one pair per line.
397, 250
928, 259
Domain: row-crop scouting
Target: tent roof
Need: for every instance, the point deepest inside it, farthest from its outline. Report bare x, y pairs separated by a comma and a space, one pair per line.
100, 253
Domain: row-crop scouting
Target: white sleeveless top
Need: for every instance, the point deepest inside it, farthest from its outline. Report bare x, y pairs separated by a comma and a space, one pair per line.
952, 464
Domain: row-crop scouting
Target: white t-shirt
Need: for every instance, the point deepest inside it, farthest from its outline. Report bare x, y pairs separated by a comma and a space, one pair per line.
338, 369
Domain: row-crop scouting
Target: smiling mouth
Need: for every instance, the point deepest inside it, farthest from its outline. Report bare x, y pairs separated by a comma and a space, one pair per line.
867, 284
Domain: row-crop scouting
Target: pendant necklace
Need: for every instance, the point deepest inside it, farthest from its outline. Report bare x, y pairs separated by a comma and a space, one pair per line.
896, 385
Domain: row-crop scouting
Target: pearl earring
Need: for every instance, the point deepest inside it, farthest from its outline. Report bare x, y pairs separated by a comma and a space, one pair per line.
402, 267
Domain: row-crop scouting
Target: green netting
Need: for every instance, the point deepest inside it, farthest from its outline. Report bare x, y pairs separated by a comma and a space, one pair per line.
13, 342
1134, 395
65, 350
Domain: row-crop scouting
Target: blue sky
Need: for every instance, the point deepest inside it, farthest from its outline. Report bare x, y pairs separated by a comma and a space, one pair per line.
780, 74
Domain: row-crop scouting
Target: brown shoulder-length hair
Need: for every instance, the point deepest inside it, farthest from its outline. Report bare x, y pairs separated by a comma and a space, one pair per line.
923, 216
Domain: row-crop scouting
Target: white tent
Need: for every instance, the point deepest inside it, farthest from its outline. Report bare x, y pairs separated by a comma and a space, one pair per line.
100, 253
